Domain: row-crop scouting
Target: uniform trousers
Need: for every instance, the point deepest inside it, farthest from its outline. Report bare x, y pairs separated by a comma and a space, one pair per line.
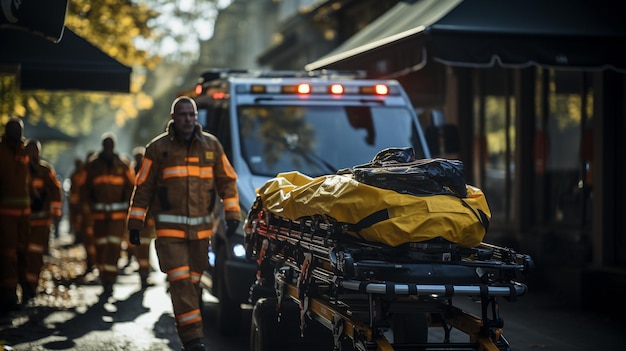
12, 230
184, 261
108, 235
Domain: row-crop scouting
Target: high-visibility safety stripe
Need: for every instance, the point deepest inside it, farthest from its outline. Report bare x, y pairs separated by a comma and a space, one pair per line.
36, 248
143, 171
231, 204
111, 215
15, 211
37, 183
228, 168
115, 206
171, 233
165, 218
109, 179
188, 171
192, 159
204, 234
112, 239
110, 268
178, 273
137, 213
145, 241
191, 317
40, 222
102, 241
181, 234
195, 277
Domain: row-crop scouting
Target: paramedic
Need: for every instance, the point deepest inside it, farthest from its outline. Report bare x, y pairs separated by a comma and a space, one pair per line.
45, 206
106, 195
14, 210
180, 169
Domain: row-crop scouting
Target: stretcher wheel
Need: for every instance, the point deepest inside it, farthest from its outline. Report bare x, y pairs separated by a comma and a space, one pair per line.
268, 333
264, 328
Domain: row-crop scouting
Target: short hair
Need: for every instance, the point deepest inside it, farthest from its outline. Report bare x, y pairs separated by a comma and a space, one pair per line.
109, 135
139, 150
184, 99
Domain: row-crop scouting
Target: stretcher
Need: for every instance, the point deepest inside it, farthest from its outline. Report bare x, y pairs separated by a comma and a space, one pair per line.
317, 283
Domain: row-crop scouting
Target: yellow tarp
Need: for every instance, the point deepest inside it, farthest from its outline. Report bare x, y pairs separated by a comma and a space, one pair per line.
294, 195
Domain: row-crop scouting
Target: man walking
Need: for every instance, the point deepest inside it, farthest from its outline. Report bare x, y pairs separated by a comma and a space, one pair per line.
14, 211
46, 206
107, 189
180, 171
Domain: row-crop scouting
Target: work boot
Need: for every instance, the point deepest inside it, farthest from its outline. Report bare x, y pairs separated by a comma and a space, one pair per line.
194, 345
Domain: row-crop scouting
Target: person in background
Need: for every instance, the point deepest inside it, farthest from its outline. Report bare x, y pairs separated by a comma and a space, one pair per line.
106, 194
45, 206
84, 228
14, 211
175, 184
147, 234
77, 178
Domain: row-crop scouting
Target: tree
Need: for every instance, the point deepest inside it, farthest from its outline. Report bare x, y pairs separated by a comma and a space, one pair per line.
134, 32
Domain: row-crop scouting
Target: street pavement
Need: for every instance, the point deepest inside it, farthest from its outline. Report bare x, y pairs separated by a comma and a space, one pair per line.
71, 315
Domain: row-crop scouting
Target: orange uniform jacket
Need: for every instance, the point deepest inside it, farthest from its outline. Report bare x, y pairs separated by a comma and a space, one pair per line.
107, 188
14, 191
46, 195
175, 182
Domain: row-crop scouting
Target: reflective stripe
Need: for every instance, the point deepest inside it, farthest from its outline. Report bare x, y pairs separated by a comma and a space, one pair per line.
109, 179
164, 218
178, 273
137, 213
103, 215
40, 222
204, 234
116, 206
171, 233
143, 171
228, 168
145, 241
110, 268
195, 277
189, 318
188, 171
36, 248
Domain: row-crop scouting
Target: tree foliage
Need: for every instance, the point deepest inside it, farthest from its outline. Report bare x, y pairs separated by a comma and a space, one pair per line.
132, 31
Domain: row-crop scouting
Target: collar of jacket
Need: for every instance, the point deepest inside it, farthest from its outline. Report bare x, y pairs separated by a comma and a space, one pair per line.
171, 131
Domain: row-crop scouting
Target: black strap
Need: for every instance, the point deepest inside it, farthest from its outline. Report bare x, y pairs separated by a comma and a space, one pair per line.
378, 216
481, 215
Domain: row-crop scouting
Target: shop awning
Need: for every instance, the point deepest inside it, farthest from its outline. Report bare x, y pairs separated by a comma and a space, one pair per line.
70, 64
567, 34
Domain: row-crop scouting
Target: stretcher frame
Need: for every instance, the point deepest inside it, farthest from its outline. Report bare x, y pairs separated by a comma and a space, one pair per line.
310, 262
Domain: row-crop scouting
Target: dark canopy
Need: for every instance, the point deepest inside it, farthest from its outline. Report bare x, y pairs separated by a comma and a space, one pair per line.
568, 34
71, 64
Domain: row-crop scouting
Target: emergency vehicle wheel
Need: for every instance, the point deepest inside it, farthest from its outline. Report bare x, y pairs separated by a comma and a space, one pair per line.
228, 310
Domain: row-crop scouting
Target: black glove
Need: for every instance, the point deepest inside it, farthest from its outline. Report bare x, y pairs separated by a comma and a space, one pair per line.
231, 226
134, 237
